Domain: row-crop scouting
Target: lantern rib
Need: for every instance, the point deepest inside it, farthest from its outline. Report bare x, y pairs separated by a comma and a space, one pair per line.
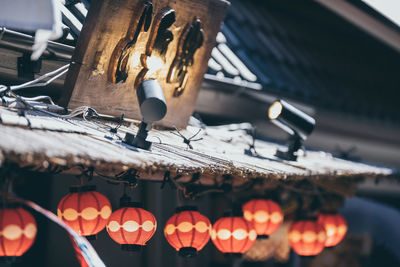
80, 217
98, 209
268, 224
177, 230
194, 231
203, 242
303, 226
63, 203
140, 230
247, 238
217, 239
2, 237
120, 223
231, 237
21, 239
316, 241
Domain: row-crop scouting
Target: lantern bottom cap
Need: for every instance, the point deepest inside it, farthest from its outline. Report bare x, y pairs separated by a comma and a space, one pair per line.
131, 247
307, 256
233, 255
91, 237
8, 259
187, 252
262, 237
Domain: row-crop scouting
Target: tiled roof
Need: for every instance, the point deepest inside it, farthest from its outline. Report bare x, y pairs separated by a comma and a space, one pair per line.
297, 50
302, 51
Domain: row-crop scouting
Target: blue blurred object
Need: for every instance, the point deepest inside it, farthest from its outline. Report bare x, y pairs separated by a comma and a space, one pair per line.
380, 221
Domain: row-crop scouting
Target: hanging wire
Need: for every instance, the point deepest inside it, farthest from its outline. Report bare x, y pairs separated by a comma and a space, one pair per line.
36, 82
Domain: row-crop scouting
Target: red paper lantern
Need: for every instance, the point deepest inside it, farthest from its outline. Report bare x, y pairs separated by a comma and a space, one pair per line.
233, 235
131, 226
266, 215
307, 237
187, 231
335, 227
85, 210
17, 231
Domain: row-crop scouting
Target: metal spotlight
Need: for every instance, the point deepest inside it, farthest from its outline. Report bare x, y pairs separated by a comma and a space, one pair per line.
153, 108
293, 121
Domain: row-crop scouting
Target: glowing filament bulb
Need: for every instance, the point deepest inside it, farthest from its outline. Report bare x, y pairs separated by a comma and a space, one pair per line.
275, 110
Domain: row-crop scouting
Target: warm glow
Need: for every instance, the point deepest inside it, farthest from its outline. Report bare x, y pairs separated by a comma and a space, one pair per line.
149, 226
224, 234
135, 59
153, 63
261, 216
202, 227
188, 229
130, 226
276, 217
169, 229
275, 110
185, 227
252, 235
86, 212
266, 215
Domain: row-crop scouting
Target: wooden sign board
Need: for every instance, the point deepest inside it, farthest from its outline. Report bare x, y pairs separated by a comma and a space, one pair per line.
124, 42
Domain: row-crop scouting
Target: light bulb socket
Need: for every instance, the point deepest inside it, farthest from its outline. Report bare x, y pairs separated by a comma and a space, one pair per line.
140, 139
293, 145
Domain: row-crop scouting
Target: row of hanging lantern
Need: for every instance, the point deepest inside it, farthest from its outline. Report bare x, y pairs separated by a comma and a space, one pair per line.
309, 237
188, 231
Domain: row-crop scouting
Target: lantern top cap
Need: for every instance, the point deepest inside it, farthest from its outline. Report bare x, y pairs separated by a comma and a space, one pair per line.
10, 204
233, 213
186, 208
131, 204
81, 188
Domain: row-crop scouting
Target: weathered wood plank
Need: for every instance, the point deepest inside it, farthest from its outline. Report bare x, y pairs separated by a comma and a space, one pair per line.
69, 143
110, 26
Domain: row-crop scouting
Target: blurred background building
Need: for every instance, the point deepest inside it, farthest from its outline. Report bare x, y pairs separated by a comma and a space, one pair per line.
336, 60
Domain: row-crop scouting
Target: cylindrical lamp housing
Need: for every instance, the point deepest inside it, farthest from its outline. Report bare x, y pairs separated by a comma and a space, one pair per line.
153, 106
290, 119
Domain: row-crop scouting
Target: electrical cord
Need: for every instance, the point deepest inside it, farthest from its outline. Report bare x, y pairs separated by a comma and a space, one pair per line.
36, 82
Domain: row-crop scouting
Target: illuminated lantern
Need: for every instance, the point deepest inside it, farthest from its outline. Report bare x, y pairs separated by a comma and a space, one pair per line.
85, 210
266, 215
187, 231
335, 227
307, 237
233, 235
131, 226
17, 231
